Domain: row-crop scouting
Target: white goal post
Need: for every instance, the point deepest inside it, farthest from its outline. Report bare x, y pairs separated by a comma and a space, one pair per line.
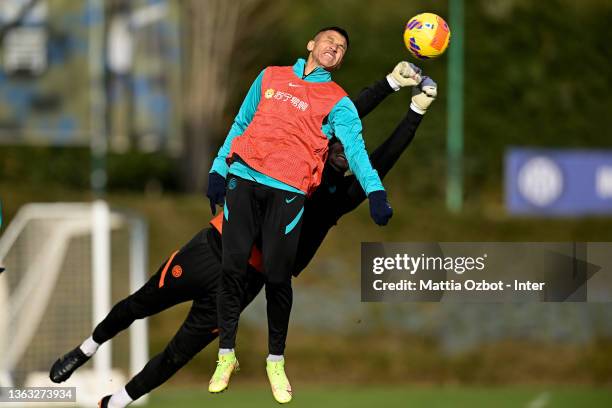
66, 264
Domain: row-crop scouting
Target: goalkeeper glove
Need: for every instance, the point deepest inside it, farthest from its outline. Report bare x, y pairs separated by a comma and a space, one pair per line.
404, 74
216, 190
380, 210
423, 95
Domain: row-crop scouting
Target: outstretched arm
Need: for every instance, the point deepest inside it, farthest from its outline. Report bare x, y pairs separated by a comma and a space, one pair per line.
346, 124
389, 152
372, 96
404, 74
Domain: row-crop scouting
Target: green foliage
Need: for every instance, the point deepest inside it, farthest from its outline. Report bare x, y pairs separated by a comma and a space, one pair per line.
42, 167
535, 72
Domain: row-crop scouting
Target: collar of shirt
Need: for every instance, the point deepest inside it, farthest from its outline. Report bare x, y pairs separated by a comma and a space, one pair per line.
319, 74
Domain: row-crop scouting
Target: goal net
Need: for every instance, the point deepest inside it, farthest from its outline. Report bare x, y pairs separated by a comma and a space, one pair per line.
66, 264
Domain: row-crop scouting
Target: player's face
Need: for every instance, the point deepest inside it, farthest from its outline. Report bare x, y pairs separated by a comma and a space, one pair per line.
336, 158
328, 49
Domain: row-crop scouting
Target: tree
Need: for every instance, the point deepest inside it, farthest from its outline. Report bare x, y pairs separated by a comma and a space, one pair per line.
211, 30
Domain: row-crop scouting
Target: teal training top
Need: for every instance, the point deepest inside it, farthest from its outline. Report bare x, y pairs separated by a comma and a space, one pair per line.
343, 122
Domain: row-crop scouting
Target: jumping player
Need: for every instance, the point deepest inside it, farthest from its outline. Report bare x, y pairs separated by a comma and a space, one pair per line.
200, 260
276, 150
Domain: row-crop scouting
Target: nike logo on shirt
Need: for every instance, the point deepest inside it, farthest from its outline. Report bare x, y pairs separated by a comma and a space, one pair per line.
289, 201
294, 85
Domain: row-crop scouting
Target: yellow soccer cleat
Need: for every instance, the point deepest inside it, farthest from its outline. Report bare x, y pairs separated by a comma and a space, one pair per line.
281, 389
226, 365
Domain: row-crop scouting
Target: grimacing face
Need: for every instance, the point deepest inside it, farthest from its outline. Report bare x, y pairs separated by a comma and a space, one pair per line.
336, 158
328, 49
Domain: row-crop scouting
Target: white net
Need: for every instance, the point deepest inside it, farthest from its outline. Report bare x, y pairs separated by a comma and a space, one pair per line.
67, 318
56, 280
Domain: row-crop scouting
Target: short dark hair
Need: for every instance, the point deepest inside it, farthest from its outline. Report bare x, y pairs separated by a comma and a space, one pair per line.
337, 29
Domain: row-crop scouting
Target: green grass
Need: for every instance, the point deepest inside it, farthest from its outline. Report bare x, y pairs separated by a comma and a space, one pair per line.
376, 397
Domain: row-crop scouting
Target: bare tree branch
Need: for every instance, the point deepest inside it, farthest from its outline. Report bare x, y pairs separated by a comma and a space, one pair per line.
210, 42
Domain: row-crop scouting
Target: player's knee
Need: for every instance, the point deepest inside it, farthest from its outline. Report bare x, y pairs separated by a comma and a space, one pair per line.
175, 358
139, 308
138, 311
124, 310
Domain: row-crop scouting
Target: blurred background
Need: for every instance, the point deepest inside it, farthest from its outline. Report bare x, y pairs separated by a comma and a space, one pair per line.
129, 101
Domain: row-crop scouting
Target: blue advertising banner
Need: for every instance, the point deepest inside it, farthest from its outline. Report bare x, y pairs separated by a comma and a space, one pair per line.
558, 182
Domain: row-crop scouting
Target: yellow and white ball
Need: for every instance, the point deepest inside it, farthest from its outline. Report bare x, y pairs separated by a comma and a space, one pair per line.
426, 35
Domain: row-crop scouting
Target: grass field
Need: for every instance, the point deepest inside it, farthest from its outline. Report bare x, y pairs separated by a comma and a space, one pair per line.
368, 397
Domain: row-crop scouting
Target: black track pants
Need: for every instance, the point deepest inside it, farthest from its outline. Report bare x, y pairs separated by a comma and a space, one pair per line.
192, 273
272, 218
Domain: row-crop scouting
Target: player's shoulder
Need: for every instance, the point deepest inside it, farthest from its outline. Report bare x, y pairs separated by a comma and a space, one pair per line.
278, 68
345, 106
276, 72
337, 89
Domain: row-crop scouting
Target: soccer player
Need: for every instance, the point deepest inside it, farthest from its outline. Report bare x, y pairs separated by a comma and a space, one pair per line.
276, 150
199, 261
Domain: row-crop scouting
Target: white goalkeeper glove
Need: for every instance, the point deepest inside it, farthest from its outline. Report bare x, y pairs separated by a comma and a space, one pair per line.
404, 74
423, 95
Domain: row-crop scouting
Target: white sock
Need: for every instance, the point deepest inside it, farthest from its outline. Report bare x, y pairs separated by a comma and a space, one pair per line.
275, 358
89, 347
120, 399
225, 351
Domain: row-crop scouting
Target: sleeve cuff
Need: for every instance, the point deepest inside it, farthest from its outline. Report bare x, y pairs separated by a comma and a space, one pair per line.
416, 109
220, 167
396, 87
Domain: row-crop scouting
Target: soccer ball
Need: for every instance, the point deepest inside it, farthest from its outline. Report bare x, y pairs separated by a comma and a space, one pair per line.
426, 36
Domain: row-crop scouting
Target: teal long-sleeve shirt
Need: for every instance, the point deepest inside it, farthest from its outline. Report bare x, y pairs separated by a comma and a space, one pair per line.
343, 122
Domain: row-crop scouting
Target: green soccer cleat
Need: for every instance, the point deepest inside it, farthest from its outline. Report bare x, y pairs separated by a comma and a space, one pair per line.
281, 389
226, 365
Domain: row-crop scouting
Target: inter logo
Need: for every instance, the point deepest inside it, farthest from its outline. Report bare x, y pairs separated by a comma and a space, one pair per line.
177, 271
269, 93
